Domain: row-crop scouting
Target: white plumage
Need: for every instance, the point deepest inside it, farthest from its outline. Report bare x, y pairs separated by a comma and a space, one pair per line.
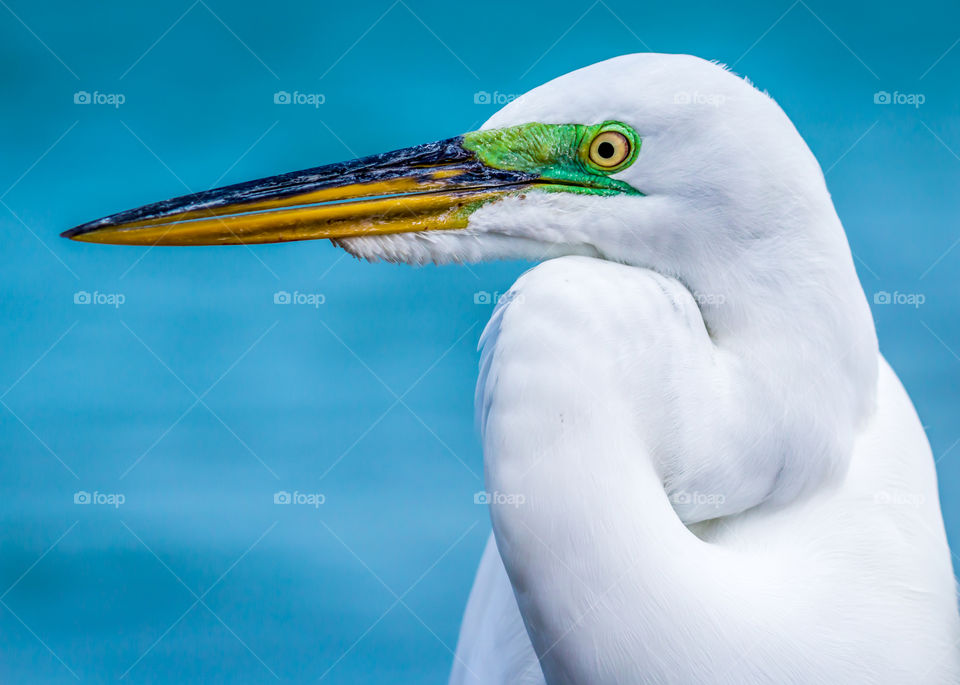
703, 470
722, 481
849, 584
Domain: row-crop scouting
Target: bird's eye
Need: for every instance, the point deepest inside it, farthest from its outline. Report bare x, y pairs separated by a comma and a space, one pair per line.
609, 149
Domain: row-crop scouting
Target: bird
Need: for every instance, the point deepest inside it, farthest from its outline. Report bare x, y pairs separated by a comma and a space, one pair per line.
699, 466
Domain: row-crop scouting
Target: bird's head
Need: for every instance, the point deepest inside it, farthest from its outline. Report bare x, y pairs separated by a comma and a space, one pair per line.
668, 162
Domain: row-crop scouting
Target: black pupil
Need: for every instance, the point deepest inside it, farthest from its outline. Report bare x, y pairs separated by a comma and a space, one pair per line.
606, 150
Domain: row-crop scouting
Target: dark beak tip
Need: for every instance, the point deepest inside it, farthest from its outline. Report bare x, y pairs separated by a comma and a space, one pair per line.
76, 231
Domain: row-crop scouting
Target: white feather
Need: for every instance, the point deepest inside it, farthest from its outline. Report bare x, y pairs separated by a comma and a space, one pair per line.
708, 473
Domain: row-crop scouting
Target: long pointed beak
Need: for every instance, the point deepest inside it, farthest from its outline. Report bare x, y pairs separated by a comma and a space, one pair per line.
427, 187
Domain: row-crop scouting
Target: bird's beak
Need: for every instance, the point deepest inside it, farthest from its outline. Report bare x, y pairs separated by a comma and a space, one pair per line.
427, 187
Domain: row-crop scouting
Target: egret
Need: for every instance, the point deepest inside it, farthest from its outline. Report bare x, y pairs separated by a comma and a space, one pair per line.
702, 469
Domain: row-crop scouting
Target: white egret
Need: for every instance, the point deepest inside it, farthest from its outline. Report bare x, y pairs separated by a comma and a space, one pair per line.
703, 470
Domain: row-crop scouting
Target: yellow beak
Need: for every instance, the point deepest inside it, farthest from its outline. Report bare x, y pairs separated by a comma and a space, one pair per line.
427, 187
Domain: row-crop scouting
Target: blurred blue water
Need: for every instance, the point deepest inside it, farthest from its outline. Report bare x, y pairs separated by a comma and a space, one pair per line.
198, 576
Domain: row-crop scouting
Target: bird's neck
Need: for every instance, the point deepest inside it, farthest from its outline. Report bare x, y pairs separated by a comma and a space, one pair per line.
794, 328
793, 305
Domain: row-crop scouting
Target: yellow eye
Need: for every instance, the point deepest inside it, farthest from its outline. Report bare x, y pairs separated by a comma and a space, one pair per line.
609, 149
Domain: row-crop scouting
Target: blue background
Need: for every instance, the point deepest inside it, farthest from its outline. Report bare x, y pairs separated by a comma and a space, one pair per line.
199, 576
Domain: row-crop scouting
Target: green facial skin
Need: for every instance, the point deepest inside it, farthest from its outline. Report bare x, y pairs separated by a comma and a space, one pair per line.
558, 152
